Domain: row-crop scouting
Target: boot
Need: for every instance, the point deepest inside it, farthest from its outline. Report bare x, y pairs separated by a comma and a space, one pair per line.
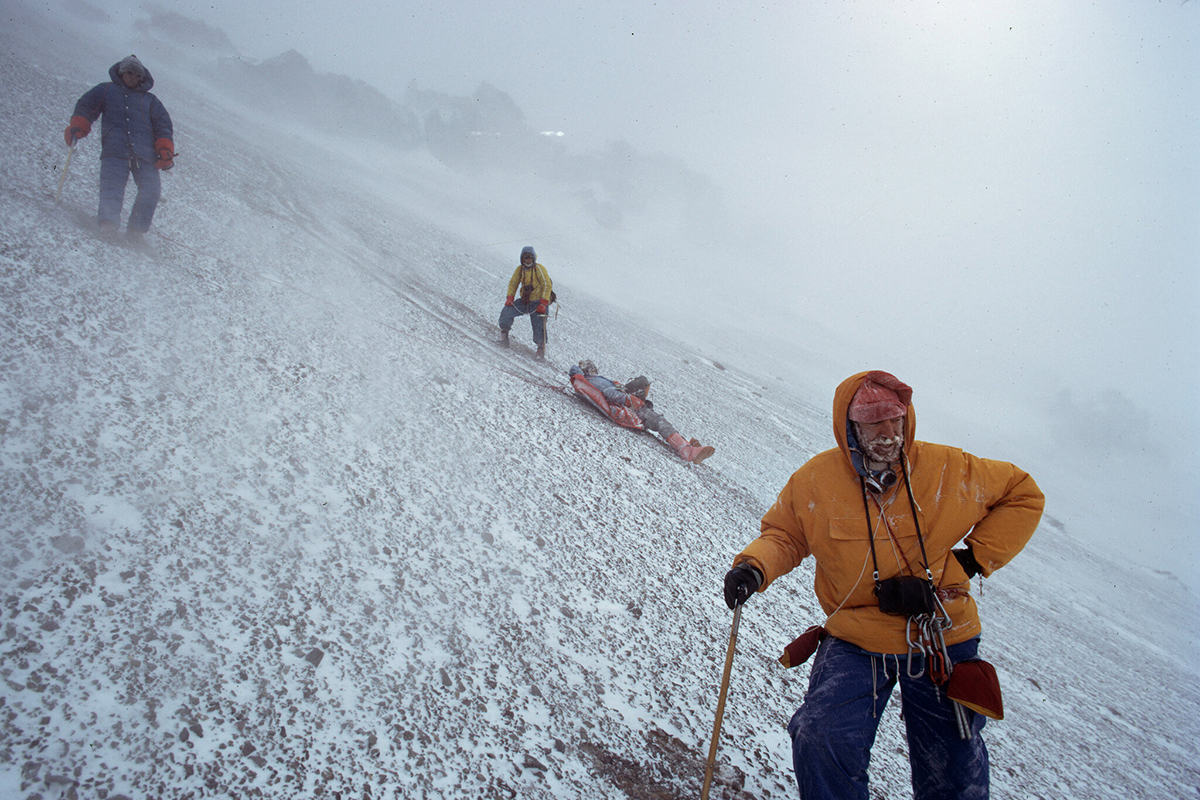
541, 352
691, 451
704, 451
503, 338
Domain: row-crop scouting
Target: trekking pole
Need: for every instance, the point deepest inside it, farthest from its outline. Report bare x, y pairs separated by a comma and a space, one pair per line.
63, 178
712, 750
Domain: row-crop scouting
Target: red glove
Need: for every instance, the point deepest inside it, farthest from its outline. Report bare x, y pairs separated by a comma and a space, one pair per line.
79, 128
508, 301
165, 150
541, 309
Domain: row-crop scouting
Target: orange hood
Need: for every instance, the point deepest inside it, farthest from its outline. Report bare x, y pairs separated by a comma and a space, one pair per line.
841, 409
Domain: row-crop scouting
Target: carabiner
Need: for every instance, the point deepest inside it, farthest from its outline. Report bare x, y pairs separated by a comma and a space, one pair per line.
914, 646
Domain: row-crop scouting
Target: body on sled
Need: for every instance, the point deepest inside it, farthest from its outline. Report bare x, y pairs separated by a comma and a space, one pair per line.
618, 414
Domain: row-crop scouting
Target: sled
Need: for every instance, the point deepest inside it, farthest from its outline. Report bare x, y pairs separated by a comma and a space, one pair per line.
618, 414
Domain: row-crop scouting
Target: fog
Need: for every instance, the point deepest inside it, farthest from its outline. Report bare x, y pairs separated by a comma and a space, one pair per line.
998, 204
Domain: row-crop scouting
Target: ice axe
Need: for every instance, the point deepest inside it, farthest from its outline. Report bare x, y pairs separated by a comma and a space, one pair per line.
63, 178
546, 320
712, 749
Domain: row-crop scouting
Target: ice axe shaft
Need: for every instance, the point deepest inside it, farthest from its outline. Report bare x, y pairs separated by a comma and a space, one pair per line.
712, 749
63, 178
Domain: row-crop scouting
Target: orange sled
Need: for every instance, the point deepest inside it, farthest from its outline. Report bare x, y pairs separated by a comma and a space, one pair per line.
618, 414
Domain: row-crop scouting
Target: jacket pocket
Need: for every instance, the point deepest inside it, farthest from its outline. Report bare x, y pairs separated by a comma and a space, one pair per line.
849, 527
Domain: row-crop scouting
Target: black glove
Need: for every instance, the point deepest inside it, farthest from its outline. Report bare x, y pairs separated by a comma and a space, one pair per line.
967, 559
741, 582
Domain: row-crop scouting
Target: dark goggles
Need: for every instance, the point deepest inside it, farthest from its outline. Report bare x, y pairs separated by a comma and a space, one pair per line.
880, 483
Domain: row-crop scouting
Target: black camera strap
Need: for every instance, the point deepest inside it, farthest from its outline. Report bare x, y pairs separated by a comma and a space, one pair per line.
870, 530
912, 504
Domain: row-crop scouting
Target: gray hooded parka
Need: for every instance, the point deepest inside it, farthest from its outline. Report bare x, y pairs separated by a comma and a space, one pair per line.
131, 119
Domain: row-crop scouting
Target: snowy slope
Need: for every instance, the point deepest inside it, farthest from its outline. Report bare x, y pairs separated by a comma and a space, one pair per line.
279, 520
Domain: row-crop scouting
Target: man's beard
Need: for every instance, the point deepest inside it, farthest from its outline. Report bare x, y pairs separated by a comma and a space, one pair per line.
883, 450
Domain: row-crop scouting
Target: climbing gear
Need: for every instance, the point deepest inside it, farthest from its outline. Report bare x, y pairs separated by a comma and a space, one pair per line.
712, 748
541, 348
63, 178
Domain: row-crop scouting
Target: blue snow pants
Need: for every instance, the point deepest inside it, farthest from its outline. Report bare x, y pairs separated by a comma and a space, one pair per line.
114, 175
834, 728
520, 308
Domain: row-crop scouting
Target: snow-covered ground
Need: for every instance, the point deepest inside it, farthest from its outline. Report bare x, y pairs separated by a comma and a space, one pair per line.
278, 519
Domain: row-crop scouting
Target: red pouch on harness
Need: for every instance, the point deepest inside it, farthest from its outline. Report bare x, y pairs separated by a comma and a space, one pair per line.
974, 684
803, 646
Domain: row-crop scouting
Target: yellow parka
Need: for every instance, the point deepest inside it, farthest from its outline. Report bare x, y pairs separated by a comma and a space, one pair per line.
536, 281
821, 513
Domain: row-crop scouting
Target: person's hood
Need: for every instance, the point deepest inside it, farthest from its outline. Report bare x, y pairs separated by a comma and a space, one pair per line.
147, 82
530, 251
841, 409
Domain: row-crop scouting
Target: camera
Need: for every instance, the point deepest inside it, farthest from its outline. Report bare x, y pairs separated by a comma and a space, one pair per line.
906, 595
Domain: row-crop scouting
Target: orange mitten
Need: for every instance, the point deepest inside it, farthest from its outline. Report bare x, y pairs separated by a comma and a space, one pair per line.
76, 130
164, 149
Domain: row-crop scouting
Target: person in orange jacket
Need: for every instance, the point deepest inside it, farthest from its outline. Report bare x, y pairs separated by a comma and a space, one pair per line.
881, 514
537, 293
136, 138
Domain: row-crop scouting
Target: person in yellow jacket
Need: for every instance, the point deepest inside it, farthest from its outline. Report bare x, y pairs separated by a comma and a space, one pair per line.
537, 292
881, 515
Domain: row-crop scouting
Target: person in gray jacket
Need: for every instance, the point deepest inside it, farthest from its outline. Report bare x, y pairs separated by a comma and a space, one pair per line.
136, 138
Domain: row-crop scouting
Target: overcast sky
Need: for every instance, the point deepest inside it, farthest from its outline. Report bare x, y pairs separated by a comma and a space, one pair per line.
1004, 195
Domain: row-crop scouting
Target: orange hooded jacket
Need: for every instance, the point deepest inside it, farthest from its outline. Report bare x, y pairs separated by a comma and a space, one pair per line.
820, 512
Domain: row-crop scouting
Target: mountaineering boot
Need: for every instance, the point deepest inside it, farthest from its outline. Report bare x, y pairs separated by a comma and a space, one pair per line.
541, 352
690, 451
704, 452
503, 338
